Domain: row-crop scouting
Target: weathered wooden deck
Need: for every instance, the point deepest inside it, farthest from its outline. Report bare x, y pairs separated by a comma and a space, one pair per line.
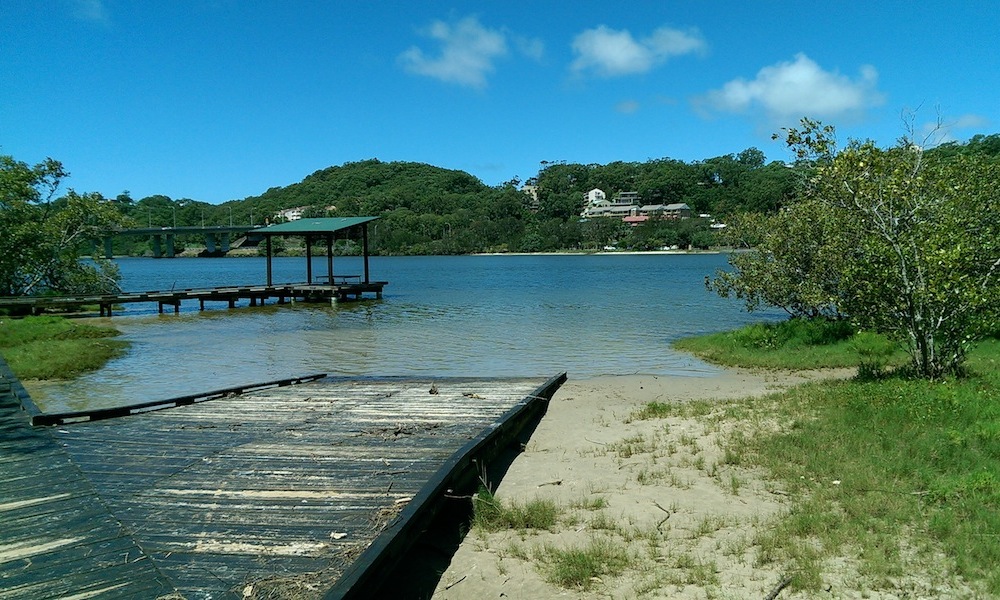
290, 487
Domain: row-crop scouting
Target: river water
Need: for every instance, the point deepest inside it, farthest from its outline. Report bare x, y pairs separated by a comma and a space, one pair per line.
476, 316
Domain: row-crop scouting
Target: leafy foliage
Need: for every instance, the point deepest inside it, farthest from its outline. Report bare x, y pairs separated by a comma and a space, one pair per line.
41, 237
900, 240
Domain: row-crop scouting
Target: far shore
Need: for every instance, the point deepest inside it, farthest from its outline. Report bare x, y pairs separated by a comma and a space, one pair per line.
600, 253
194, 253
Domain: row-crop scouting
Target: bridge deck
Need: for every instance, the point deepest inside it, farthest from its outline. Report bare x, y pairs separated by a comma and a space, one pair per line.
232, 497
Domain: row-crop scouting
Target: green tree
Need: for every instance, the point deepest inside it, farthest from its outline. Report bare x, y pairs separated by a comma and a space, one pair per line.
795, 264
902, 241
41, 237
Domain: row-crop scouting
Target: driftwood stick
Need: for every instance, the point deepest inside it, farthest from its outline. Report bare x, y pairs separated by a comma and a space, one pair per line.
785, 581
664, 519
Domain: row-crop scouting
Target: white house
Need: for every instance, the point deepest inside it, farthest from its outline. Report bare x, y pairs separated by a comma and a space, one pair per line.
594, 196
290, 214
627, 198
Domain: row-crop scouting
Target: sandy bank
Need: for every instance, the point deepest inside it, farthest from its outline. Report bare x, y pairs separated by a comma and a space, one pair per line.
659, 486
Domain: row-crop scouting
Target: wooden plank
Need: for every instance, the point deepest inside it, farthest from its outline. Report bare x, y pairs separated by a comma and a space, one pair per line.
133, 579
61, 515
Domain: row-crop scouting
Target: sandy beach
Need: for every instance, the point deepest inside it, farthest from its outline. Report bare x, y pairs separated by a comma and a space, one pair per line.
657, 487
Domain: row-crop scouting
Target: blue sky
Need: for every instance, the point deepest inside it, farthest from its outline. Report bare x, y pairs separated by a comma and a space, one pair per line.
221, 99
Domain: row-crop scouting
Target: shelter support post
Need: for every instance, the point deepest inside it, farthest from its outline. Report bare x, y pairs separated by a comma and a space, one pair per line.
364, 241
267, 243
309, 260
329, 257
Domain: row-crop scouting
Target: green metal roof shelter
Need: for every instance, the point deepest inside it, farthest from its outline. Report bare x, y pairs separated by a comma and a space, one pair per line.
315, 229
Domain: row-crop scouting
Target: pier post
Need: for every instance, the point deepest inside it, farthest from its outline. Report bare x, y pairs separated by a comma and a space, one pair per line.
157, 250
225, 242
364, 241
309, 260
329, 257
270, 279
109, 248
210, 243
170, 245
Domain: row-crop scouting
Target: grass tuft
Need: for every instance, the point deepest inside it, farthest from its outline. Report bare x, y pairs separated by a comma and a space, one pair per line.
490, 514
582, 567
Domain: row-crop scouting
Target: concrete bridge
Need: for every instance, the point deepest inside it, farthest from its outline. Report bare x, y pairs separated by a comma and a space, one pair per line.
217, 238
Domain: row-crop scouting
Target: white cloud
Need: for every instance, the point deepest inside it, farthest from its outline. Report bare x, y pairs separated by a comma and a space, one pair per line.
611, 53
800, 88
91, 10
467, 53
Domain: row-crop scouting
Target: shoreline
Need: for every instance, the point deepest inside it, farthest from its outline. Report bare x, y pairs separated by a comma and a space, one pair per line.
254, 254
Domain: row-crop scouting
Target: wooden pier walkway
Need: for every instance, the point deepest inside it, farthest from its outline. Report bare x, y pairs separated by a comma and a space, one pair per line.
316, 487
344, 288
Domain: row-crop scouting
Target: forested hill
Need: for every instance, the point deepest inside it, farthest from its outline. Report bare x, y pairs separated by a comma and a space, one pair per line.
427, 209
740, 182
431, 210
372, 187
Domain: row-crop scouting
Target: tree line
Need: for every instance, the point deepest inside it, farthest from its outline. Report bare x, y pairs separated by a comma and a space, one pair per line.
425, 209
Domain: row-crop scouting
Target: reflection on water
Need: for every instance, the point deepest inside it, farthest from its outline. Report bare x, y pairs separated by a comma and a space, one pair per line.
483, 316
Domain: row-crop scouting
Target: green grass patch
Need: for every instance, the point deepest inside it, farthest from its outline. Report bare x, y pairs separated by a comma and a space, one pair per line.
880, 466
580, 567
794, 344
55, 348
491, 514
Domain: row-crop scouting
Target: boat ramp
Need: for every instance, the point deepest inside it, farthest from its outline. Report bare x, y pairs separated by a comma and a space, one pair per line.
317, 485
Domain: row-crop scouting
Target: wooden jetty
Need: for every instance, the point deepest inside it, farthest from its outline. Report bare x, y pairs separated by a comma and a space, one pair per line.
330, 287
317, 487
343, 289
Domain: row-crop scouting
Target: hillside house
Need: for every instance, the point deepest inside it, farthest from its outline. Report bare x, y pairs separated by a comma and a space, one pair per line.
289, 214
